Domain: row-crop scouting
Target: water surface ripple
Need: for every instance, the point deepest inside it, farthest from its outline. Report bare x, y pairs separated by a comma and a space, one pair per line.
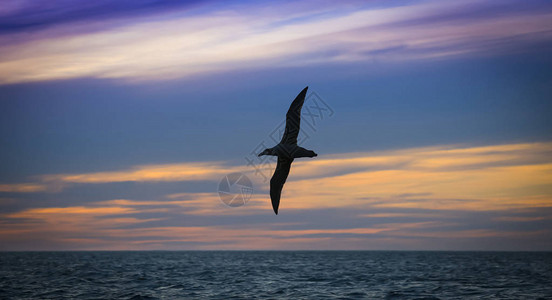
276, 275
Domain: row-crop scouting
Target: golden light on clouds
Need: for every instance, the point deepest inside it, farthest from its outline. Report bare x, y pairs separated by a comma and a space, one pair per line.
168, 172
389, 194
22, 188
483, 178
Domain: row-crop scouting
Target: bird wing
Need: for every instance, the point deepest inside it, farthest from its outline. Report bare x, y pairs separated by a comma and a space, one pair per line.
293, 119
277, 181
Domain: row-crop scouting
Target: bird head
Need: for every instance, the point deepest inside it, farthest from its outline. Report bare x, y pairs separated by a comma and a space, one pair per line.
266, 152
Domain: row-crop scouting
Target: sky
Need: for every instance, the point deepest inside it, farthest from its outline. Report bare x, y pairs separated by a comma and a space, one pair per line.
431, 120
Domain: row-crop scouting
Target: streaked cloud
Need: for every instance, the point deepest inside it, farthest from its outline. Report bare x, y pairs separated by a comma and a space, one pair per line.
504, 169
22, 188
480, 178
182, 43
396, 199
167, 172
24, 15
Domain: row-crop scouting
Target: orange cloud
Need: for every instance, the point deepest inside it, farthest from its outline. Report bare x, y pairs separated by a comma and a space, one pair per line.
167, 172
23, 188
448, 177
475, 178
375, 185
90, 227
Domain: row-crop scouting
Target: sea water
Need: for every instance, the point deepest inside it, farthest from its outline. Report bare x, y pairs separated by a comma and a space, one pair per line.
276, 275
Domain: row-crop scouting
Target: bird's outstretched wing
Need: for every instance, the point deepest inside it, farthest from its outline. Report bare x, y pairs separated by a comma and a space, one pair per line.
277, 181
293, 119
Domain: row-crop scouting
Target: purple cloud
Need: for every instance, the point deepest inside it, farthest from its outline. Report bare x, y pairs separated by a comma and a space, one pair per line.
23, 16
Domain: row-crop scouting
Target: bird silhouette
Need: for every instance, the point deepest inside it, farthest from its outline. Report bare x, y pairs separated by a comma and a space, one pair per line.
287, 150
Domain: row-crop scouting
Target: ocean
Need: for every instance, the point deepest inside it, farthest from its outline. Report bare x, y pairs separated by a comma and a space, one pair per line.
275, 275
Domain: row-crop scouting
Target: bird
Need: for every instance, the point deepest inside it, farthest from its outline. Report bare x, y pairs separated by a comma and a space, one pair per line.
287, 150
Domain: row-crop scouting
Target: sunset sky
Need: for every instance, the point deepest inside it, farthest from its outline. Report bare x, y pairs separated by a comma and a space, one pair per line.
432, 120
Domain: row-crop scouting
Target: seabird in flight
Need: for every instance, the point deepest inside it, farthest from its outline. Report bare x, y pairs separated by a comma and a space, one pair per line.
287, 149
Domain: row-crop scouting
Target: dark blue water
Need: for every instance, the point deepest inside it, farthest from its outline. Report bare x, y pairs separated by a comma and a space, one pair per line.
275, 274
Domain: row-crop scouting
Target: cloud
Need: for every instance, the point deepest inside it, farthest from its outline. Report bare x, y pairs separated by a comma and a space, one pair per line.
395, 199
471, 178
108, 225
522, 164
18, 15
446, 177
229, 38
166, 172
22, 188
